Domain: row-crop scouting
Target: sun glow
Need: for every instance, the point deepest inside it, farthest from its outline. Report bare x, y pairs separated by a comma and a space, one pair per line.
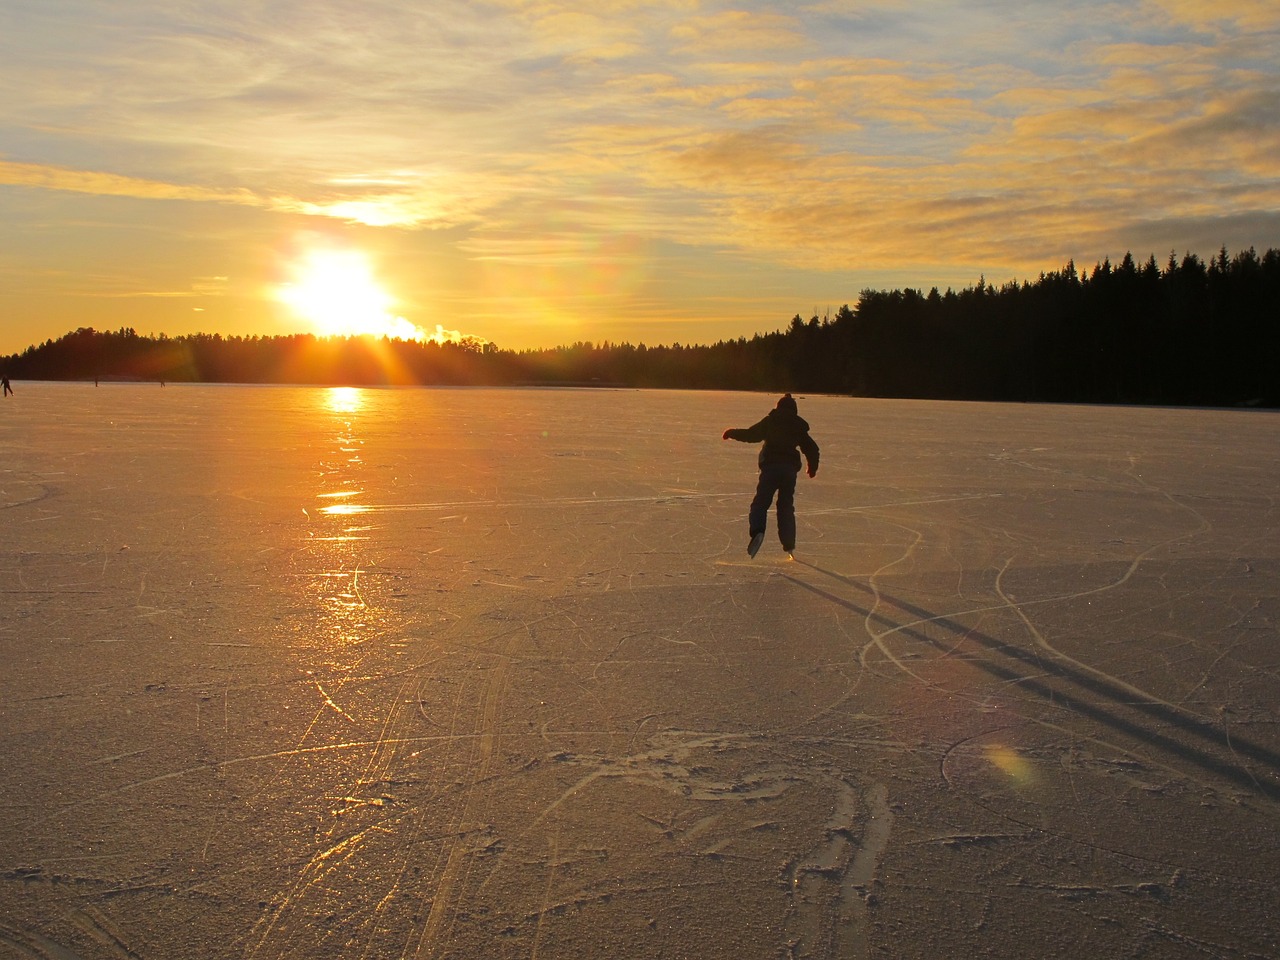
336, 292
344, 400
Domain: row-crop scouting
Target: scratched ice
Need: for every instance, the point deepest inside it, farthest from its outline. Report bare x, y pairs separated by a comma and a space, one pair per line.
311, 673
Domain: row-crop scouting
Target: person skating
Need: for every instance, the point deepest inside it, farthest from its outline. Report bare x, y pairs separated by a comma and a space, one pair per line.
785, 435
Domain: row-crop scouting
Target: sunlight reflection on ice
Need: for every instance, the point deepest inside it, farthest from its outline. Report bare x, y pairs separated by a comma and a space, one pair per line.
344, 399
347, 617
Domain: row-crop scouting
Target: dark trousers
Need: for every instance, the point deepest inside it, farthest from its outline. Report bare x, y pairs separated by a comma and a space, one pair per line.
779, 479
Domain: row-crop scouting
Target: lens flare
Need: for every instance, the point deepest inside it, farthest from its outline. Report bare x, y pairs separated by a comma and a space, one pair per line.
1010, 762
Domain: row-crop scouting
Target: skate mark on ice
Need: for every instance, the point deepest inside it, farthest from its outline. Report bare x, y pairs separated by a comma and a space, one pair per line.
1108, 679
828, 882
890, 504
546, 905
449, 895
831, 886
1114, 694
543, 503
666, 766
971, 748
215, 765
28, 943
329, 702
23, 491
102, 929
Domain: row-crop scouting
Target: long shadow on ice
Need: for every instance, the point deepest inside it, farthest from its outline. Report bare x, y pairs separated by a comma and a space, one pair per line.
1115, 694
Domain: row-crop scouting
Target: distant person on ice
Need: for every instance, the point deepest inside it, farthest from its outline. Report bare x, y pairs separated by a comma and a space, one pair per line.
785, 436
7, 389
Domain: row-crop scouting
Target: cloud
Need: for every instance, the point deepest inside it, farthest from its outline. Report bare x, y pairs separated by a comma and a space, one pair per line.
411, 207
1235, 136
125, 288
1221, 14
114, 185
737, 31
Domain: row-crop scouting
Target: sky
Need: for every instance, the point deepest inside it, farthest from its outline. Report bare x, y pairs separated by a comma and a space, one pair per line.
537, 172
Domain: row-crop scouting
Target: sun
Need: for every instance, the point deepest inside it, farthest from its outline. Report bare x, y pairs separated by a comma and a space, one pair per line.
336, 292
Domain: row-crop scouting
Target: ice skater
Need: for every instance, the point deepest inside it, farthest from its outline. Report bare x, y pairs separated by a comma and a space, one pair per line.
786, 436
7, 389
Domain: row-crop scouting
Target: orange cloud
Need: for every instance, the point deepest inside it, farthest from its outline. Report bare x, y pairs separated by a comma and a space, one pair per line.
113, 185
738, 30
411, 207
1241, 14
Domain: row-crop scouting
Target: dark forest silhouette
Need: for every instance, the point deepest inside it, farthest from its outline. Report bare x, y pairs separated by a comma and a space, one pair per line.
1190, 332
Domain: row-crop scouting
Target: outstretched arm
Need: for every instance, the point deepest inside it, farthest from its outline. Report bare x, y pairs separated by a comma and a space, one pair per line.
752, 434
809, 447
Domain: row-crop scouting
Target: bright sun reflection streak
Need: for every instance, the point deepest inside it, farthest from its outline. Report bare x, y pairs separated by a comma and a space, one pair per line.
344, 399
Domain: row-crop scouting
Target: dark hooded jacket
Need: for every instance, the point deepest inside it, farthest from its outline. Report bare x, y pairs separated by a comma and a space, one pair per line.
783, 431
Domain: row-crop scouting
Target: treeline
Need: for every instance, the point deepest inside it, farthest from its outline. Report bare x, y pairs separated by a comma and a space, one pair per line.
88, 354
1188, 332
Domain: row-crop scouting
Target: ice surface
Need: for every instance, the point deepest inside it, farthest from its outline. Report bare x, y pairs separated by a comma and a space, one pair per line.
300, 672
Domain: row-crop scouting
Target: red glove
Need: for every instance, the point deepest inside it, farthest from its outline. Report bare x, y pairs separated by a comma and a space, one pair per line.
725, 436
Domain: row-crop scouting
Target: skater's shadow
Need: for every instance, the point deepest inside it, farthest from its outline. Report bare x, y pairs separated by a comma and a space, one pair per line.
1108, 697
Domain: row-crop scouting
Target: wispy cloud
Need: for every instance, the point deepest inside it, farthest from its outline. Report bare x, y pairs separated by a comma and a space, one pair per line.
738, 31
1227, 16
115, 185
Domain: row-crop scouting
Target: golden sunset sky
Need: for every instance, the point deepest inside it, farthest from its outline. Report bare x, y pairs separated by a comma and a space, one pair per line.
536, 172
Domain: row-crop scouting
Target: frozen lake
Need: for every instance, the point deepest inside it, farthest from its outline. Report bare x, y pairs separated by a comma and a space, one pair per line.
306, 672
